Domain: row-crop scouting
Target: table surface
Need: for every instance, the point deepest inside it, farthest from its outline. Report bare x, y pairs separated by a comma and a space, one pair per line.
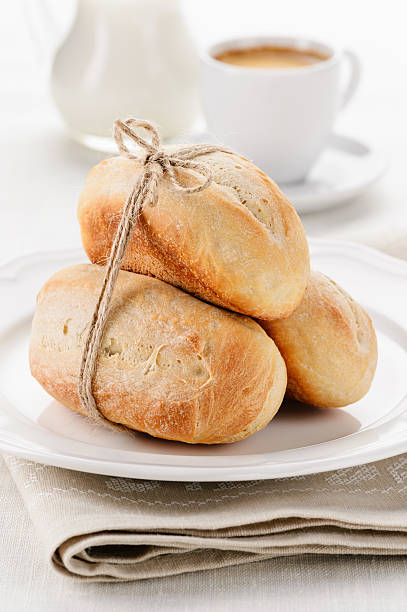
41, 174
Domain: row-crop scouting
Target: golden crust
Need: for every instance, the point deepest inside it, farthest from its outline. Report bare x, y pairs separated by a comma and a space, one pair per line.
328, 344
238, 244
170, 365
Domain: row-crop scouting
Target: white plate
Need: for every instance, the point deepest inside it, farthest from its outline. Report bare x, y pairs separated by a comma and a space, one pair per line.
300, 440
345, 169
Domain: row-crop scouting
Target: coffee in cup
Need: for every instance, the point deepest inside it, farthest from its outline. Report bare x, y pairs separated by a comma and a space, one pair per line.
268, 56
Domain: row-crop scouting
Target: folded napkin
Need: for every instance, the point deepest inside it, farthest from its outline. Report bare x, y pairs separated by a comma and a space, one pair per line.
103, 528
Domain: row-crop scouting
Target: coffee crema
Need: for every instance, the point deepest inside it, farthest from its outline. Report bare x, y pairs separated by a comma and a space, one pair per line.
269, 56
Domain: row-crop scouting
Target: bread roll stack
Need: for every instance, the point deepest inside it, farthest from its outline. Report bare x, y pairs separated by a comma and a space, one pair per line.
181, 358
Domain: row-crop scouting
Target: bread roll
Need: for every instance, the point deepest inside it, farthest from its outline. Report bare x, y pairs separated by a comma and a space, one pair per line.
328, 344
238, 244
170, 365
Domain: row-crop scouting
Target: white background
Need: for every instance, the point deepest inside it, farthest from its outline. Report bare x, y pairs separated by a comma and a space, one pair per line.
41, 173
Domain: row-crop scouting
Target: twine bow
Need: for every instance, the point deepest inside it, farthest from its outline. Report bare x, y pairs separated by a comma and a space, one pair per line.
156, 163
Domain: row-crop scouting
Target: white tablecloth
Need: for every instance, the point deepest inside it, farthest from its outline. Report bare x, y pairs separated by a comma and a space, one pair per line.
41, 173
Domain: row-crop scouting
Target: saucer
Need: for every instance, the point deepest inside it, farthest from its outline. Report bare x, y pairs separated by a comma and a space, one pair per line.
345, 169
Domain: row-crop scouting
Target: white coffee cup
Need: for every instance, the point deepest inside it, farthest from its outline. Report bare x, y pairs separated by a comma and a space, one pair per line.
279, 118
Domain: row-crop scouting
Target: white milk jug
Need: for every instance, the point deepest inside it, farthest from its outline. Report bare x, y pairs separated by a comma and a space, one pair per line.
125, 58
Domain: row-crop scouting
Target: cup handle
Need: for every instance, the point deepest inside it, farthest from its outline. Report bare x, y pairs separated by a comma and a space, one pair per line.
354, 77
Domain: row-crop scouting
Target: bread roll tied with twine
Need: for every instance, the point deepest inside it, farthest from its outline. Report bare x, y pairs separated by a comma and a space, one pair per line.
168, 364
217, 226
69, 351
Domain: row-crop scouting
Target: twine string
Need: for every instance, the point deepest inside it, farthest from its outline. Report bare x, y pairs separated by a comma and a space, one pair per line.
156, 162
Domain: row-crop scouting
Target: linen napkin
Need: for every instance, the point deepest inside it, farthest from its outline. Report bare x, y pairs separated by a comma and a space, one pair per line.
101, 528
